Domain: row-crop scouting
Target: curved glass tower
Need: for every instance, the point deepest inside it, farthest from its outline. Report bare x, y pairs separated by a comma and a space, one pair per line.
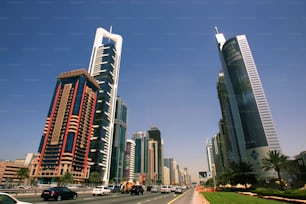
249, 107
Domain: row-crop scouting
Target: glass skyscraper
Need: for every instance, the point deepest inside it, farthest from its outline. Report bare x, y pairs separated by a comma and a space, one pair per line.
247, 104
119, 142
104, 67
141, 139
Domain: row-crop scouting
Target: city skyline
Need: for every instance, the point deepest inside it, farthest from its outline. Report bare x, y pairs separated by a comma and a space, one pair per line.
169, 66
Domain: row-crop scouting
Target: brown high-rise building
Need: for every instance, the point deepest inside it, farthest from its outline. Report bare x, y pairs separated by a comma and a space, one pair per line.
65, 142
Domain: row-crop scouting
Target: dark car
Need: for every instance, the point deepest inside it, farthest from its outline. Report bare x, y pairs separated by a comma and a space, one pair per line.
59, 193
137, 189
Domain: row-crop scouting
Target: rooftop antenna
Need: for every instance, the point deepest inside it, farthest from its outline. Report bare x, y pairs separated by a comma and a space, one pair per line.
216, 29
110, 31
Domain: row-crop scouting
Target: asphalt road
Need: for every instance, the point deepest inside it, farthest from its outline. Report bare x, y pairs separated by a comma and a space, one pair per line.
113, 198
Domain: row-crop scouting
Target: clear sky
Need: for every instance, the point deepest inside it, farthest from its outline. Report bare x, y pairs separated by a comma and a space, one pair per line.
169, 66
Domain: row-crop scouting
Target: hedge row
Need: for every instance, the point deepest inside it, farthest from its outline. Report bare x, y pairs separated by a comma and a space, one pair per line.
289, 193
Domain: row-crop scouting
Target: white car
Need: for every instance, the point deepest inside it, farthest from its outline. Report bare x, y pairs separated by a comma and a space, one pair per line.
7, 198
154, 189
165, 189
101, 190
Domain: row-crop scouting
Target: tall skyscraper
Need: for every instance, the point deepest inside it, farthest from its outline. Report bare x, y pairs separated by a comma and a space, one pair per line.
119, 141
104, 67
66, 137
129, 164
252, 119
210, 156
154, 134
152, 161
168, 162
141, 154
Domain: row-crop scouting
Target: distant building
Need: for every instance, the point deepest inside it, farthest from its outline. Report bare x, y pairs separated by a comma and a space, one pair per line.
244, 104
168, 162
119, 142
155, 135
141, 154
129, 164
65, 142
301, 164
166, 180
186, 177
8, 170
210, 157
152, 161
176, 173
104, 66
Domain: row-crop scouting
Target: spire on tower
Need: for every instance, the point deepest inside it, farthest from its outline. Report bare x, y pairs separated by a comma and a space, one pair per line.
110, 31
216, 29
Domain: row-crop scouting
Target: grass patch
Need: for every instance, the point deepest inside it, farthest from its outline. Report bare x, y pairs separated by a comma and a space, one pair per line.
235, 198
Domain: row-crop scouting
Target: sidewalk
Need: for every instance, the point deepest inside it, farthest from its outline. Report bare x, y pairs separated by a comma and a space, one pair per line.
198, 198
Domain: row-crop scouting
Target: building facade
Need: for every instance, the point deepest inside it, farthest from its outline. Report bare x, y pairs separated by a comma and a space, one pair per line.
152, 161
104, 66
234, 149
129, 164
251, 117
141, 154
119, 142
64, 145
8, 171
168, 162
210, 156
155, 135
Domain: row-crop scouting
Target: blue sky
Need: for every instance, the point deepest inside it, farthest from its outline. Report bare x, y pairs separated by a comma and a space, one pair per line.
169, 66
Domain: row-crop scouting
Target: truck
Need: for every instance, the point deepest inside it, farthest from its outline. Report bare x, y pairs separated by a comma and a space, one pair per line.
126, 186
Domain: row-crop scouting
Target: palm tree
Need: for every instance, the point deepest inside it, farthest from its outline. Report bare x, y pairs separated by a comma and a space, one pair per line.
22, 173
243, 173
275, 161
226, 177
66, 178
95, 177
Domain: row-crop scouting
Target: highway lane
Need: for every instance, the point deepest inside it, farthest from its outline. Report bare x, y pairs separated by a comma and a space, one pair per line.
114, 198
190, 196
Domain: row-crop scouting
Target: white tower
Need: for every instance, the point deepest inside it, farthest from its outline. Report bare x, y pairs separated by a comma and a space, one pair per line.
104, 66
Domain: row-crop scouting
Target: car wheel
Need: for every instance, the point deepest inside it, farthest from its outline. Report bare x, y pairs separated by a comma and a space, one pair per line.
74, 197
59, 198
45, 199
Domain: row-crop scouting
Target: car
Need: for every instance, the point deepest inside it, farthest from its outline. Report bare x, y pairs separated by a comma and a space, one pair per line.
149, 187
58, 193
100, 190
165, 189
154, 189
7, 198
114, 188
173, 188
178, 190
137, 189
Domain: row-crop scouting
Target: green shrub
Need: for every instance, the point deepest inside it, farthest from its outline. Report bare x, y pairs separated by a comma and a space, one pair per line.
289, 193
